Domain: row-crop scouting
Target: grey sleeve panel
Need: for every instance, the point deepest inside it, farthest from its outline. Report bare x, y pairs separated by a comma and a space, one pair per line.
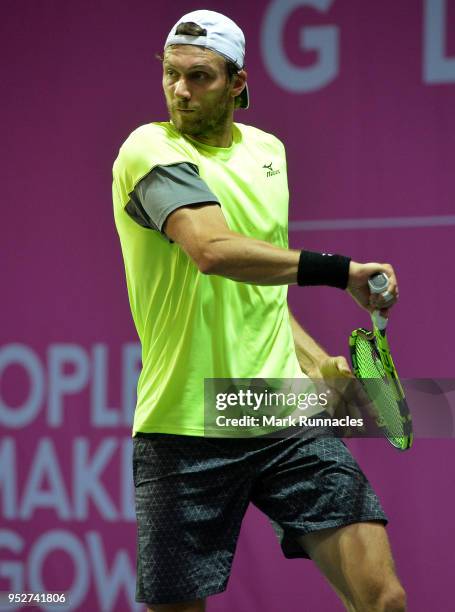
163, 190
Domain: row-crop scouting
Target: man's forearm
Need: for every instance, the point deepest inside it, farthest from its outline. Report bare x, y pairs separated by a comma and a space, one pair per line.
202, 232
252, 261
309, 353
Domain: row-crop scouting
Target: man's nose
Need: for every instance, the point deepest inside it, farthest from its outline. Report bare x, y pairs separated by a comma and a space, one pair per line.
181, 89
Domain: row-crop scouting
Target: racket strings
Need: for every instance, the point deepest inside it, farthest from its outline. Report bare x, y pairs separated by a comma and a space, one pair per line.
375, 379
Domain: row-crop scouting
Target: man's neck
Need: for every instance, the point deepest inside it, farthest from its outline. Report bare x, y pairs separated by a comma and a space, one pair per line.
223, 142
220, 138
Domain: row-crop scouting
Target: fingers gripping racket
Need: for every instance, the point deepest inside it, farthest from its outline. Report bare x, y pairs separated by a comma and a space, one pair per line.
373, 365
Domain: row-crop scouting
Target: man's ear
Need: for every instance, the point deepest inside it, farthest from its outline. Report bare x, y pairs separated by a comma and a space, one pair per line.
239, 82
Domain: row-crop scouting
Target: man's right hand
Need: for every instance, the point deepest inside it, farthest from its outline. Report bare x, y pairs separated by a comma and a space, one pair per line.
360, 291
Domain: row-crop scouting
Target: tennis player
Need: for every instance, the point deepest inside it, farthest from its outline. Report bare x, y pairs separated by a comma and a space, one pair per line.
201, 207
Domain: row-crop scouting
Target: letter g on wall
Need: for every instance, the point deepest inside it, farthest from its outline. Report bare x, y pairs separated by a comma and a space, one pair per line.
322, 39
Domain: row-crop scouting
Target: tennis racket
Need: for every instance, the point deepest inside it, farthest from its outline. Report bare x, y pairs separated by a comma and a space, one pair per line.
373, 366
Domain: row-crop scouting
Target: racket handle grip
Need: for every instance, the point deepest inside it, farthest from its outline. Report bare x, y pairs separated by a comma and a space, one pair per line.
379, 321
378, 283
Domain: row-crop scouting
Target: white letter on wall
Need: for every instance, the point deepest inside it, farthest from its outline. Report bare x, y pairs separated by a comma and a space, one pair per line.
436, 67
323, 40
24, 356
61, 384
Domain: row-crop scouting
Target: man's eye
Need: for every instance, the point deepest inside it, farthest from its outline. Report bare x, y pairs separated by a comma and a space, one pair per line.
199, 76
170, 72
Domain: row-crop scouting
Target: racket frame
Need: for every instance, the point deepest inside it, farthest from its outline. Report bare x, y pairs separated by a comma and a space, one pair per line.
379, 340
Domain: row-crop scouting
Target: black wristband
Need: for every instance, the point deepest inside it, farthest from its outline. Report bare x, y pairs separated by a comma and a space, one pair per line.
323, 269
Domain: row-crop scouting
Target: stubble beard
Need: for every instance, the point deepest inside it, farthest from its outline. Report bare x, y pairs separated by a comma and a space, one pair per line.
206, 124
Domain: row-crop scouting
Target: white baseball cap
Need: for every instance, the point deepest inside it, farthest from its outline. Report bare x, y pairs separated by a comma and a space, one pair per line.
222, 36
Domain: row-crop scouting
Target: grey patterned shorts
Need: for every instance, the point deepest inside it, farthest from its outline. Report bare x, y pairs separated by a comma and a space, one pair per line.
192, 493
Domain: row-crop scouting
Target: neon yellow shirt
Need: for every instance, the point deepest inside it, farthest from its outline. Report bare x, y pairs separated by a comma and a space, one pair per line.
194, 326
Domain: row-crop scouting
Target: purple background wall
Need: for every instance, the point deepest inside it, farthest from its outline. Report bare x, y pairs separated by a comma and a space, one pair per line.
371, 144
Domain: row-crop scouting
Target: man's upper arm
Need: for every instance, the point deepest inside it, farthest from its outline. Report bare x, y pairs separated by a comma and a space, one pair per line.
196, 229
165, 189
175, 201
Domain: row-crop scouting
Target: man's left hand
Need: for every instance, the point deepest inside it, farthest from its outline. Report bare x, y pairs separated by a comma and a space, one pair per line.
338, 378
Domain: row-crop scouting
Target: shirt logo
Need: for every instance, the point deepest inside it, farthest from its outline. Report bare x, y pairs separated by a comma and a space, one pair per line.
270, 170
